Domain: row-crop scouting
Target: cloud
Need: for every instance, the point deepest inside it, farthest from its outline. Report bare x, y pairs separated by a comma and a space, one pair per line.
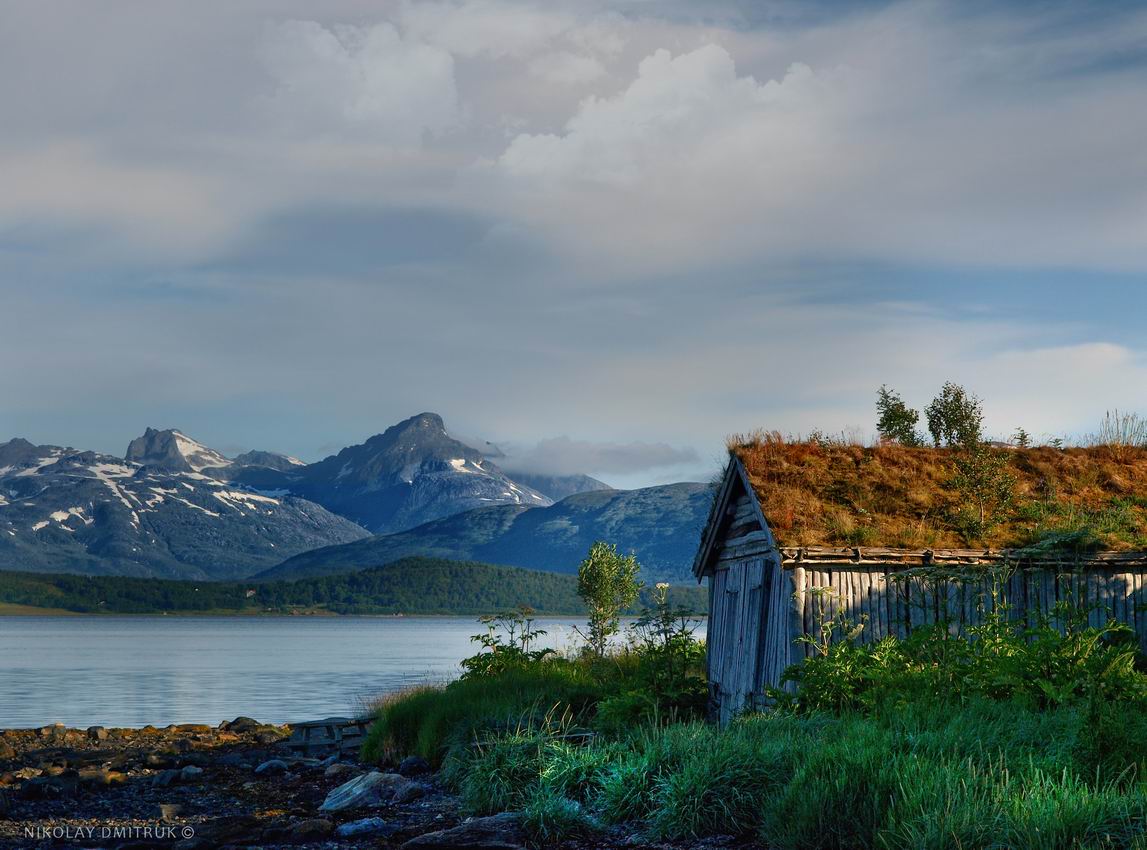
72, 187
634, 223
877, 138
567, 68
368, 79
565, 456
495, 29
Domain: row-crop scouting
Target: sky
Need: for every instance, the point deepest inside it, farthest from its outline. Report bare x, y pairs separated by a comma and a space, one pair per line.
604, 235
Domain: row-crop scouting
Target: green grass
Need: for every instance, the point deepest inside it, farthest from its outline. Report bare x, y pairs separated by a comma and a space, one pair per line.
922, 781
1024, 737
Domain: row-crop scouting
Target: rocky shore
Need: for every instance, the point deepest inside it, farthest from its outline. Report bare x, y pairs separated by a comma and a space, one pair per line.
237, 785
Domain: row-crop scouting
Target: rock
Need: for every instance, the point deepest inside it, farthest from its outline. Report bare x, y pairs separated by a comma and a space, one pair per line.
270, 736
365, 828
165, 778
169, 811
242, 725
329, 760
271, 768
97, 733
51, 788
309, 830
7, 751
414, 766
157, 760
56, 730
342, 769
199, 759
408, 792
194, 729
98, 777
498, 832
190, 773
370, 789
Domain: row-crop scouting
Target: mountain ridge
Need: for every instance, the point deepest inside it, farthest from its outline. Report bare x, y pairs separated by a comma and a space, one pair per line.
661, 525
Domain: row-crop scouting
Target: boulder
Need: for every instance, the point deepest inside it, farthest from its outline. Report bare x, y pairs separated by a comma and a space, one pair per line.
97, 733
165, 778
169, 811
342, 769
98, 777
190, 773
242, 725
51, 788
497, 832
312, 829
370, 789
408, 792
7, 751
365, 828
157, 759
271, 768
414, 766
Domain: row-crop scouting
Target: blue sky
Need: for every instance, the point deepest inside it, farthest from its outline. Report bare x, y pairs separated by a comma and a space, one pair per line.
604, 234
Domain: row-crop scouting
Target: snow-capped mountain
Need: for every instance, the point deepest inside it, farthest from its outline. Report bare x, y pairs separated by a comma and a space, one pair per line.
411, 473
152, 514
173, 450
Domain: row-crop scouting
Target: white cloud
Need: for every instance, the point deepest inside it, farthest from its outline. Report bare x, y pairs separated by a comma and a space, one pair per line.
566, 68
566, 456
676, 108
490, 27
145, 208
366, 79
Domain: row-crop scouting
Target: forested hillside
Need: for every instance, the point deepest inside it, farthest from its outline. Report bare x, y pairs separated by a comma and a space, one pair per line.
408, 586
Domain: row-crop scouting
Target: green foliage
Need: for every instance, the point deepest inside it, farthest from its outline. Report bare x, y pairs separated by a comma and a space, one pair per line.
955, 417
507, 641
548, 817
986, 486
607, 583
896, 421
1056, 660
1020, 735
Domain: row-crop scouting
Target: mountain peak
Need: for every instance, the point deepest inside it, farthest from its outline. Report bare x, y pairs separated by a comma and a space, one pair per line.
426, 421
172, 449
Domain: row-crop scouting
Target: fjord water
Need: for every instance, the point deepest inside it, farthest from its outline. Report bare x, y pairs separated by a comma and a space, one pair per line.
132, 671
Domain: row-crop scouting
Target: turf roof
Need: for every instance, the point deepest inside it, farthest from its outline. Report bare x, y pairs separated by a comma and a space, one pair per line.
822, 494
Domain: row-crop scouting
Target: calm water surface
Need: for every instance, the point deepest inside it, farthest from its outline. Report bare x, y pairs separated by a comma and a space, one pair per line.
131, 671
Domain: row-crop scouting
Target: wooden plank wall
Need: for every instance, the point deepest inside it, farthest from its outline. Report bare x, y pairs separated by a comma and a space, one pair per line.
758, 610
870, 595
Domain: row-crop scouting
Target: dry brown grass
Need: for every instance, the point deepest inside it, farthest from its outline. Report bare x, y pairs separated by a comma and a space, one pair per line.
818, 494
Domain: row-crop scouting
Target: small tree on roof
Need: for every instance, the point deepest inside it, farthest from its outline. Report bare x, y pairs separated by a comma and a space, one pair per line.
955, 417
896, 420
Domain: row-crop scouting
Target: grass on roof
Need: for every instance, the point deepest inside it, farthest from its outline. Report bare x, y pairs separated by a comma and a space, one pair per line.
820, 493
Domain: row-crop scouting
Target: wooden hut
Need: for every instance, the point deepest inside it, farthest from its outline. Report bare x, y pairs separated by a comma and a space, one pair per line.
777, 569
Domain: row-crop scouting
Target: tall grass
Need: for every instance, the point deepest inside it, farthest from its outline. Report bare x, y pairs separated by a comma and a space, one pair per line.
1021, 737
1121, 433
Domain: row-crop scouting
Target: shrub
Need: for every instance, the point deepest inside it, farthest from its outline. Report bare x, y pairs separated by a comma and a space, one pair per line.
955, 417
607, 583
896, 421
